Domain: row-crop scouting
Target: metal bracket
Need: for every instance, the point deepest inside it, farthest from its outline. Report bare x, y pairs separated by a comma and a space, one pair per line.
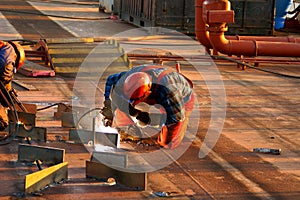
86, 136
220, 16
48, 155
68, 119
62, 108
38, 180
35, 133
101, 171
113, 158
27, 118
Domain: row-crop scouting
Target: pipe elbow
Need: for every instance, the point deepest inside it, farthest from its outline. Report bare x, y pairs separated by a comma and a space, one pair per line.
216, 14
233, 47
200, 28
220, 43
202, 37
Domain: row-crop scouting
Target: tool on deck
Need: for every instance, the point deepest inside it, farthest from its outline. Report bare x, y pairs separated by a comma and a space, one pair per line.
14, 95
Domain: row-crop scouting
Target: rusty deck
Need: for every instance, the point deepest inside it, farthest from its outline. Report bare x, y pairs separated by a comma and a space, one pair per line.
260, 110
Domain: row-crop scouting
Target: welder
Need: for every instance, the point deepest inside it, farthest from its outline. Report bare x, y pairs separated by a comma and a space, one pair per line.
12, 57
153, 85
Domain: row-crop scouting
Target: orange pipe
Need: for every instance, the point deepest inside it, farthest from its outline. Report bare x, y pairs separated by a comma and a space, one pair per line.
201, 33
244, 47
264, 38
252, 47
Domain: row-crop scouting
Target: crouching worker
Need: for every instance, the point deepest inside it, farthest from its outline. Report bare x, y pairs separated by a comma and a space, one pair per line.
12, 57
151, 85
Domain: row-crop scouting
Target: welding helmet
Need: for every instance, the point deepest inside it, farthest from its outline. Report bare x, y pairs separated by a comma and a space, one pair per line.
137, 86
20, 54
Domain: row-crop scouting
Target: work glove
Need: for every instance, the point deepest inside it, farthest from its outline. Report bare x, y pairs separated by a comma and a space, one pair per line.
132, 111
107, 112
143, 118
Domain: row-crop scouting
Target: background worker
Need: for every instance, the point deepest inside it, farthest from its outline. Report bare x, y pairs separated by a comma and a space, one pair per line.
12, 57
152, 85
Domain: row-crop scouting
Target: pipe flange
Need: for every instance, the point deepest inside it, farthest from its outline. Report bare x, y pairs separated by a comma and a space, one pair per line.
217, 28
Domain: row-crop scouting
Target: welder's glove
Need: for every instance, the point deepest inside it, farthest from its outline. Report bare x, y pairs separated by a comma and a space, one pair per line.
143, 118
133, 111
107, 112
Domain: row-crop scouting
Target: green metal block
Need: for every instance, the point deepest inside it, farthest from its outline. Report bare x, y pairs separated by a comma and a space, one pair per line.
35, 133
103, 172
48, 155
113, 158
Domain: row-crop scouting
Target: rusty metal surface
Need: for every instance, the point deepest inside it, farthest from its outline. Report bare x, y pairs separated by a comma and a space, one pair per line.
262, 111
259, 114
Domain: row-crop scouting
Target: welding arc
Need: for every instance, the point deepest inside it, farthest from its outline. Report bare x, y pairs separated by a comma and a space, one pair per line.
253, 67
58, 16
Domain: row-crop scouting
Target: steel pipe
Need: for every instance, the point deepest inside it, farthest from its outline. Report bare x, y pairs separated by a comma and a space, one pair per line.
238, 45
250, 47
200, 26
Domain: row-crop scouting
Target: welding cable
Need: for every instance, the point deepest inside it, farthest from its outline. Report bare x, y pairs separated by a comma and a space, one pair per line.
58, 16
253, 67
52, 105
68, 106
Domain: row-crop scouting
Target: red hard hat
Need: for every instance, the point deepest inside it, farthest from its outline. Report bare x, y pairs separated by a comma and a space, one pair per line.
137, 85
19, 62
